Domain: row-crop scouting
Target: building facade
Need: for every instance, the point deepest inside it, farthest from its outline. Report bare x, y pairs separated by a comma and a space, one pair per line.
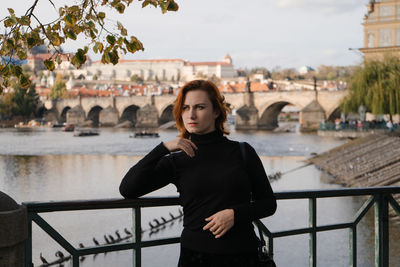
381, 29
147, 70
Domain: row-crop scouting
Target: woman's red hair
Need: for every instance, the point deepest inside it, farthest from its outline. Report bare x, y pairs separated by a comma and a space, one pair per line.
217, 100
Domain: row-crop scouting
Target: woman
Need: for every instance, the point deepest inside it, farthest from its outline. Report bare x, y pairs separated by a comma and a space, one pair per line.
215, 184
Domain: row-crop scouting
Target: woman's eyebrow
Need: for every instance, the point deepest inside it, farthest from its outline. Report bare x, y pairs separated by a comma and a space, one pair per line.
197, 104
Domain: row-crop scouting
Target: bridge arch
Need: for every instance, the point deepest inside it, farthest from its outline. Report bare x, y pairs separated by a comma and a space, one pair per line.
167, 115
40, 111
335, 114
63, 115
269, 116
129, 114
94, 114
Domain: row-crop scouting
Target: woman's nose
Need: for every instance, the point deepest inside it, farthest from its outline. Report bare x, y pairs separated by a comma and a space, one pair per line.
192, 113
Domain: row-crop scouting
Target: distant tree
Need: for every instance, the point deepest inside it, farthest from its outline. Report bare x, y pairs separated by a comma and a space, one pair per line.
173, 78
59, 89
266, 73
178, 77
24, 101
136, 78
86, 18
6, 104
376, 85
215, 80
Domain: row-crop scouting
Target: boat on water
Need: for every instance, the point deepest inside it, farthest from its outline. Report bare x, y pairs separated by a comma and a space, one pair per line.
68, 128
85, 132
142, 134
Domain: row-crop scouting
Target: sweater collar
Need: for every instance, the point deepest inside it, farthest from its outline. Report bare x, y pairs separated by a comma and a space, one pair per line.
208, 138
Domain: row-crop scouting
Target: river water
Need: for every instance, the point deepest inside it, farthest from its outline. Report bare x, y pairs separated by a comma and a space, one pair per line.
48, 164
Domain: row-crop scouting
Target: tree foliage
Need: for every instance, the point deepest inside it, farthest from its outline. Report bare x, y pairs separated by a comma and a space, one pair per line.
77, 18
24, 100
59, 89
376, 85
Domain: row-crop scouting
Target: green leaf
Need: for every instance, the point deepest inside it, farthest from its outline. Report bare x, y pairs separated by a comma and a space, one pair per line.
102, 15
49, 63
110, 39
120, 8
172, 6
124, 32
31, 42
11, 11
24, 20
71, 34
79, 58
24, 81
10, 22
21, 53
114, 57
70, 19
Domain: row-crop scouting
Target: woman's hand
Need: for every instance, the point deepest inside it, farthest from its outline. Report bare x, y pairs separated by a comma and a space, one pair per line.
220, 222
183, 144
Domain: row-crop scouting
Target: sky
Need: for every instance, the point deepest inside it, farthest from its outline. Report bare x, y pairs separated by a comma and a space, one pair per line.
256, 33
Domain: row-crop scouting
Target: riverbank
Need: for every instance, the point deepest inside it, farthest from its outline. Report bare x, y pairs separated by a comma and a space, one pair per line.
373, 160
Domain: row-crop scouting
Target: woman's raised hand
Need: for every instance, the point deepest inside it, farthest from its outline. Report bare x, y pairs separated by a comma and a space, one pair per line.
183, 144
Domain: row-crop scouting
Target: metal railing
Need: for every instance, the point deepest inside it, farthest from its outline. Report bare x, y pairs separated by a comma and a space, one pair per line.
379, 197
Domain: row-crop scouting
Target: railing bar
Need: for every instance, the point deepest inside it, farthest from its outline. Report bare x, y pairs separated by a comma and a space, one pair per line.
173, 201
28, 243
75, 205
308, 230
343, 192
53, 233
158, 242
394, 205
125, 246
364, 209
312, 209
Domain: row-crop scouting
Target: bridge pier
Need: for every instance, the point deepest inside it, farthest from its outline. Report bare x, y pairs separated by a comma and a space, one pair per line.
246, 118
76, 115
311, 116
108, 117
147, 117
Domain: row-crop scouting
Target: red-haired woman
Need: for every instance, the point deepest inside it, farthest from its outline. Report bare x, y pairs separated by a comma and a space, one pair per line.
215, 184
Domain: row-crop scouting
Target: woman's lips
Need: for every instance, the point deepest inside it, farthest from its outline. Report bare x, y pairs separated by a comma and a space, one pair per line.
192, 124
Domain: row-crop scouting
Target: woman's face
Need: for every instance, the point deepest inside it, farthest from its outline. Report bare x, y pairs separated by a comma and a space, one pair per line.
198, 114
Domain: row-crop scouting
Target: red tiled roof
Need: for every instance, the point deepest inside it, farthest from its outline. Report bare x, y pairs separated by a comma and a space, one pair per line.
142, 60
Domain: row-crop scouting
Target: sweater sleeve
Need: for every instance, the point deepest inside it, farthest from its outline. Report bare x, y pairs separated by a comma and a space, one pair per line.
149, 174
264, 201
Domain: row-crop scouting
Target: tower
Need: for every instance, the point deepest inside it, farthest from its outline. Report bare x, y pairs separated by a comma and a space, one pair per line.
381, 29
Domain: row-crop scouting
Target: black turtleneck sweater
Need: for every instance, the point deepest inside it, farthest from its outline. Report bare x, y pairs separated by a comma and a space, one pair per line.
216, 178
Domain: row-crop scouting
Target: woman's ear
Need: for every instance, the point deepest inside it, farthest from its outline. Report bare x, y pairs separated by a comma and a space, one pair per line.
216, 113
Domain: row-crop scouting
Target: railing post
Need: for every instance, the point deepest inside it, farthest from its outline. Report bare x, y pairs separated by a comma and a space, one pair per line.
75, 261
381, 231
137, 236
353, 246
28, 244
312, 222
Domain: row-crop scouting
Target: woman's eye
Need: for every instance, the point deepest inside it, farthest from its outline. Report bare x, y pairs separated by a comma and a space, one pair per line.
185, 107
200, 107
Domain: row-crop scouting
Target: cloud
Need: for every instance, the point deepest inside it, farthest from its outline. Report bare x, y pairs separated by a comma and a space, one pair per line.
326, 6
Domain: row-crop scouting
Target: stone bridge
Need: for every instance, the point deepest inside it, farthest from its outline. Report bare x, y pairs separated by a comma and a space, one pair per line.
258, 110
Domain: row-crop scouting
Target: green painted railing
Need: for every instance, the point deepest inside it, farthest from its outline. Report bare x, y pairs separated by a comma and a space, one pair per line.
379, 197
